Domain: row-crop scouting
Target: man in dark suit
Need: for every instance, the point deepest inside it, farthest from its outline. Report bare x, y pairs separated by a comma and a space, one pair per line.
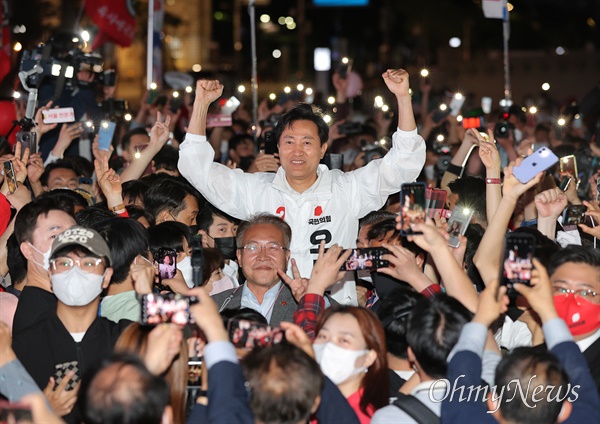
263, 250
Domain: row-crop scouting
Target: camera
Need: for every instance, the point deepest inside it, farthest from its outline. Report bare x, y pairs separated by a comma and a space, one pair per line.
503, 128
114, 108
351, 128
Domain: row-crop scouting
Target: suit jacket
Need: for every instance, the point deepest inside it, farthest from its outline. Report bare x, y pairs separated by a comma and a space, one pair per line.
283, 309
592, 356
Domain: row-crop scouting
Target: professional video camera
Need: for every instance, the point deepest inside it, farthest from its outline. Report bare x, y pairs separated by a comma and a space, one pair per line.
503, 128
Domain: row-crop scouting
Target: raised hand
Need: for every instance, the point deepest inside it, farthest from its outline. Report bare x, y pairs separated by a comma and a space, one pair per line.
109, 182
297, 285
594, 213
539, 294
264, 163
207, 91
493, 302
20, 197
159, 134
488, 152
403, 266
164, 343
397, 81
513, 188
326, 270
60, 399
550, 203
20, 163
42, 128
67, 134
142, 273
35, 168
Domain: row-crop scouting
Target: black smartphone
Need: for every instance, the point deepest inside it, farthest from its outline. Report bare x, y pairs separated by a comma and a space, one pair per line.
166, 308
344, 67
60, 372
167, 263
519, 251
412, 206
11, 178
194, 380
245, 334
333, 161
368, 258
175, 102
440, 114
15, 412
152, 95
270, 143
564, 183
27, 139
574, 215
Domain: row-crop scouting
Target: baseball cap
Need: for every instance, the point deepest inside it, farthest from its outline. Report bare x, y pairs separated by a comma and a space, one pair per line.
84, 237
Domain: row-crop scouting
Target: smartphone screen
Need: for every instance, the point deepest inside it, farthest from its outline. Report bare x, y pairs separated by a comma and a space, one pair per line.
167, 263
194, 380
105, 135
574, 215
519, 250
568, 166
15, 412
152, 95
533, 164
245, 334
9, 174
435, 201
368, 258
456, 104
458, 224
165, 308
412, 206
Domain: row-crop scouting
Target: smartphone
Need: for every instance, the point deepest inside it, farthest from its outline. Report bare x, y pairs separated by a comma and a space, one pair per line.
245, 334
230, 106
368, 258
574, 215
456, 104
105, 135
568, 166
333, 161
458, 224
344, 68
60, 372
473, 122
15, 412
598, 188
435, 201
218, 120
9, 174
167, 263
564, 183
152, 95
27, 139
533, 164
519, 250
270, 143
166, 308
175, 103
412, 206
58, 116
194, 380
440, 114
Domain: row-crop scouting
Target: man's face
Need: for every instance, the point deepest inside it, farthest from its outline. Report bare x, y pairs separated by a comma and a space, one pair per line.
188, 215
300, 150
61, 178
220, 228
48, 227
362, 240
260, 268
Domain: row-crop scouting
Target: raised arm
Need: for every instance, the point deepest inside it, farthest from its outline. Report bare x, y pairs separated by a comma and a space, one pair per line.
488, 152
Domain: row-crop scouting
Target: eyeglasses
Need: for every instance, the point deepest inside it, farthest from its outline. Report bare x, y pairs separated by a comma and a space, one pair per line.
585, 293
86, 264
270, 248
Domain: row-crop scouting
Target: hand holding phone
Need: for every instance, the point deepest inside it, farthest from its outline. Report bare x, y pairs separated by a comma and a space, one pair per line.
412, 207
166, 308
458, 224
519, 251
368, 258
105, 135
246, 334
533, 164
11, 178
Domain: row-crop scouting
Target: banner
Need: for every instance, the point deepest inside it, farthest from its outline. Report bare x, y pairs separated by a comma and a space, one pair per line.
115, 20
494, 9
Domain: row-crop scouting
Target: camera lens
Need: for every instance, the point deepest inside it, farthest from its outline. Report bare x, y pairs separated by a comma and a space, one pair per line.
26, 137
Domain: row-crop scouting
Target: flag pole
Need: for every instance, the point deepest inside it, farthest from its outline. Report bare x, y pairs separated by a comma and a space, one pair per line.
506, 37
150, 44
254, 79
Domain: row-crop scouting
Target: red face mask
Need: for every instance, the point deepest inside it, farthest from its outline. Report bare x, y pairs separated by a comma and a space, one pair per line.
581, 315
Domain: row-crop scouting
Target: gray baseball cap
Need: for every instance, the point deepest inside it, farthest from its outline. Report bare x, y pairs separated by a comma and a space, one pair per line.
84, 237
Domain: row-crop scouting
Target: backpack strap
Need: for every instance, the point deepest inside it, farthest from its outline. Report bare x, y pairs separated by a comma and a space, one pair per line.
416, 409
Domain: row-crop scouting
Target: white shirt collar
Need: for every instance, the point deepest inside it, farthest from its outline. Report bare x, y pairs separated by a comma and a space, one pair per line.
588, 341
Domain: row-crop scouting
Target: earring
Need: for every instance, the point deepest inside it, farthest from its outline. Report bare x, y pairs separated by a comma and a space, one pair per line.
415, 368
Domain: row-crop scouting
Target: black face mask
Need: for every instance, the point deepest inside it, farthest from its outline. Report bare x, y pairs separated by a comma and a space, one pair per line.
384, 284
227, 247
246, 162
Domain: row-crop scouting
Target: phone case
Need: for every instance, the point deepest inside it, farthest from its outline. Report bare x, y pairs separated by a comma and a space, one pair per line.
105, 135
366, 259
9, 174
60, 372
194, 380
412, 206
568, 164
574, 215
457, 225
270, 143
535, 163
247, 334
519, 250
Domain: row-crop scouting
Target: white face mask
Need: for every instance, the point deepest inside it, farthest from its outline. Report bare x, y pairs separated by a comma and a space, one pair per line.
518, 135
76, 287
46, 255
336, 362
185, 266
221, 285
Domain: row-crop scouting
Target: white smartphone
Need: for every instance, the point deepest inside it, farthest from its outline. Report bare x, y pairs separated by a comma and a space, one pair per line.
535, 163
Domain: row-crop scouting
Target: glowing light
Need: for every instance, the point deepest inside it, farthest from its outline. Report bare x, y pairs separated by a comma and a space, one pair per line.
241, 88
440, 137
17, 47
345, 60
533, 110
459, 118
104, 124
443, 106
327, 119
591, 22
458, 96
127, 117
153, 86
188, 89
265, 18
89, 124
545, 86
378, 101
424, 72
85, 36
455, 42
385, 108
560, 50
308, 91
16, 95
175, 94
331, 100
272, 96
56, 69
75, 40
561, 121
291, 26
69, 72
300, 87
137, 154
287, 90
509, 7
276, 53
288, 21
281, 20
466, 211
196, 67
565, 160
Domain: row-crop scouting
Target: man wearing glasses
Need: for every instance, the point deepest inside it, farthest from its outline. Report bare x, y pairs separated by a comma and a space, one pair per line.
58, 351
263, 249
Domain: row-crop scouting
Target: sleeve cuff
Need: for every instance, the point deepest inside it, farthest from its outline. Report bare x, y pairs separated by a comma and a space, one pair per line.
216, 352
472, 338
556, 332
403, 133
192, 139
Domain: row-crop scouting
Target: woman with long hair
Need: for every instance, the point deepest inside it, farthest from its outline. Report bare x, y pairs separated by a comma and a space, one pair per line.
350, 348
134, 340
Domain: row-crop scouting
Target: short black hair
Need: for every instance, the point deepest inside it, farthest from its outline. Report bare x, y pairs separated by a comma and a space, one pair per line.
27, 218
531, 366
471, 194
238, 139
242, 313
205, 217
123, 391
59, 164
303, 112
394, 312
135, 189
67, 196
166, 158
168, 194
16, 262
93, 216
374, 217
82, 166
433, 330
126, 239
213, 260
168, 234
136, 213
544, 247
126, 140
284, 384
574, 254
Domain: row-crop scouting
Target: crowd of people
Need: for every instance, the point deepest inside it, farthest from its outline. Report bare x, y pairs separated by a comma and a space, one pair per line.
432, 336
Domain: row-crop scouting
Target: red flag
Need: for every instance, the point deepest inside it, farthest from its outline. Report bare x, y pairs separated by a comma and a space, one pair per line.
115, 20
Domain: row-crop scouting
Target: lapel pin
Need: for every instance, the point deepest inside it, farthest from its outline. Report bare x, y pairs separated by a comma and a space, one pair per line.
284, 303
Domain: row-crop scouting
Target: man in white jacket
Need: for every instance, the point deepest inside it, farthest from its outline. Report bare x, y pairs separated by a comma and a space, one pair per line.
317, 203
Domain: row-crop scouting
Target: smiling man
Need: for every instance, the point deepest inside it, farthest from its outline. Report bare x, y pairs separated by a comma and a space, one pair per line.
317, 203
